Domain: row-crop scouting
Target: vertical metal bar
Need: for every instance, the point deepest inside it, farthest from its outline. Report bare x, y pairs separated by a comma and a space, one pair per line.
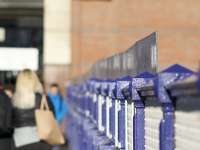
139, 128
116, 122
112, 119
103, 113
100, 113
94, 108
169, 127
162, 134
121, 123
108, 105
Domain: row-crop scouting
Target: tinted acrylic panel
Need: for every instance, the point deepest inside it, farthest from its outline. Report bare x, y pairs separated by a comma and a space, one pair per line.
141, 57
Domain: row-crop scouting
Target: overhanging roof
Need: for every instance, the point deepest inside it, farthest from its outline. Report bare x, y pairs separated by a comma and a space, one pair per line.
9, 8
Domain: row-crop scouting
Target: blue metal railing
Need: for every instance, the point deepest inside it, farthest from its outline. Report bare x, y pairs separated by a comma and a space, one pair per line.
147, 111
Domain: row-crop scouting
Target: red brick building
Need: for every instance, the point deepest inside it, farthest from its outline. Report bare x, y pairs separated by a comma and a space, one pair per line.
103, 27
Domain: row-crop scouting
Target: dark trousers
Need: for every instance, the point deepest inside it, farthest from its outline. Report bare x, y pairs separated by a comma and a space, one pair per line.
35, 146
6, 143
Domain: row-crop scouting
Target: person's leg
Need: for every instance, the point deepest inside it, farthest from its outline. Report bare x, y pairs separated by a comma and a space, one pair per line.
45, 146
6, 144
35, 146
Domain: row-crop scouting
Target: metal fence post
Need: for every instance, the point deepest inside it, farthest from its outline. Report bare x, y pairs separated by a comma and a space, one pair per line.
138, 82
113, 112
172, 74
104, 95
122, 122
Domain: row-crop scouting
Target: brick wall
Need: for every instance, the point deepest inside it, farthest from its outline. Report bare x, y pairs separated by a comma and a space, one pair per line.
102, 28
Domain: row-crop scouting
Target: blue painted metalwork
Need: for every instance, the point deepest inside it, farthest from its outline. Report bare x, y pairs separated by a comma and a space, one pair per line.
170, 75
104, 93
157, 93
138, 82
83, 131
112, 95
122, 127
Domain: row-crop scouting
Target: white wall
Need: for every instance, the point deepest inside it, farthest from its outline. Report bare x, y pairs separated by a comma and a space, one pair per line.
16, 59
57, 49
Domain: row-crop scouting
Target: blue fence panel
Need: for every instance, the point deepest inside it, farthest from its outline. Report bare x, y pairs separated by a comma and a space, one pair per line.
175, 73
165, 112
185, 95
143, 112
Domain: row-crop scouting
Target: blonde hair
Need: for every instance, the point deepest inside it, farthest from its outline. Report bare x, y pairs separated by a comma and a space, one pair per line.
26, 87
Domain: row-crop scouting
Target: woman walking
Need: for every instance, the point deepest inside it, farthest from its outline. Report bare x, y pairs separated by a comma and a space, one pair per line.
26, 100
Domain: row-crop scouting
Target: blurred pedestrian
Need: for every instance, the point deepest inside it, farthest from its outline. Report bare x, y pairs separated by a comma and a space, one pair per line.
6, 130
26, 99
58, 102
60, 106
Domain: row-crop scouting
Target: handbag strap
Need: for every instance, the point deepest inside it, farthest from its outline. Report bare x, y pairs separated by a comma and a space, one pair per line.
44, 105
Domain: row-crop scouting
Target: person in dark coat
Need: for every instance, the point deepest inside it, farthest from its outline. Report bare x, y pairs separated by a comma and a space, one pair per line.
26, 100
6, 130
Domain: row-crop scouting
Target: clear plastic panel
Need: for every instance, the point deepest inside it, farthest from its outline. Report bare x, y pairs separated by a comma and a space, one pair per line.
153, 116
